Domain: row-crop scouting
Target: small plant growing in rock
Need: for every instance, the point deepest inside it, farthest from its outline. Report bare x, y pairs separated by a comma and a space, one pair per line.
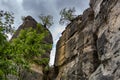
46, 21
67, 15
23, 18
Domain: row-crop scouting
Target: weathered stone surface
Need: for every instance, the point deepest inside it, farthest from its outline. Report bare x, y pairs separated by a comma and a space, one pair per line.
37, 71
108, 42
78, 54
28, 22
89, 48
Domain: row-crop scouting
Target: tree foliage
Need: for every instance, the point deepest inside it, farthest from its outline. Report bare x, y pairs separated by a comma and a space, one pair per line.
22, 51
30, 44
26, 49
6, 21
67, 15
46, 21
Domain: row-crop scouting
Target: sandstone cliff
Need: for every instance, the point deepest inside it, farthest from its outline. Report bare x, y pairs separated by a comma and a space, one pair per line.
37, 71
89, 48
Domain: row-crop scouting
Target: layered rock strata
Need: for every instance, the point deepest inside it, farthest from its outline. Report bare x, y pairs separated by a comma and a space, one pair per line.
89, 48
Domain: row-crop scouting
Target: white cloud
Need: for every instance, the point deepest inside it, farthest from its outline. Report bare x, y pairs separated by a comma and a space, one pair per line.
52, 56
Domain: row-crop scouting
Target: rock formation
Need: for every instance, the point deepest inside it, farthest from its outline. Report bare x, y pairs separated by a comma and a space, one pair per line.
37, 71
89, 48
27, 23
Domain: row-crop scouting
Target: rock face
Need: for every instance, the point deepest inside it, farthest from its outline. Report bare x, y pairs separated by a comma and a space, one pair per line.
89, 48
28, 22
37, 71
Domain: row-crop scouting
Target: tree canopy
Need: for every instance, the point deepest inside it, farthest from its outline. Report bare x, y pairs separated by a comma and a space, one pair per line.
67, 15
6, 21
18, 52
46, 21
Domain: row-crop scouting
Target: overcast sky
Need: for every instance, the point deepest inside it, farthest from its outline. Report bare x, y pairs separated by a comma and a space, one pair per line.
47, 7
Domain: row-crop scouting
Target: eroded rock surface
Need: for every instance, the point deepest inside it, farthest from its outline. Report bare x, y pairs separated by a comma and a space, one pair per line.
89, 48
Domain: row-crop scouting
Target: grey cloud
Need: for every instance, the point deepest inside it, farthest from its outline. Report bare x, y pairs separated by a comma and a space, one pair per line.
32, 5
8, 5
52, 7
14, 7
78, 4
39, 6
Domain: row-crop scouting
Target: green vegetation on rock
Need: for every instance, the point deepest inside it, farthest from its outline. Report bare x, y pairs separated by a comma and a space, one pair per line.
67, 15
46, 21
20, 52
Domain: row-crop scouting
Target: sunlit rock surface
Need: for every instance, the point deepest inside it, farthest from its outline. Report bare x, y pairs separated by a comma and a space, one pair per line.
89, 48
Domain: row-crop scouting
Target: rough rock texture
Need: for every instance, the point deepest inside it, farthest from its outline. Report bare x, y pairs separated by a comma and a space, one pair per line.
37, 71
89, 48
28, 22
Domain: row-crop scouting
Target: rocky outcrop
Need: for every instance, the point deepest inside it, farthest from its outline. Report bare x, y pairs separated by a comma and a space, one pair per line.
89, 48
27, 23
37, 72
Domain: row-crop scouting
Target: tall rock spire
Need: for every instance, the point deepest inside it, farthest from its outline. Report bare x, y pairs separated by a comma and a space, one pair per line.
37, 70
27, 23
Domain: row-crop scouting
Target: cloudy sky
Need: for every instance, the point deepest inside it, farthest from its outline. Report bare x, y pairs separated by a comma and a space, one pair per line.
47, 7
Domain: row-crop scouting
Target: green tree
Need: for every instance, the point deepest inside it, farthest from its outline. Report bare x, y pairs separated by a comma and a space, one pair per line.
24, 50
67, 15
6, 21
27, 48
46, 21
30, 44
